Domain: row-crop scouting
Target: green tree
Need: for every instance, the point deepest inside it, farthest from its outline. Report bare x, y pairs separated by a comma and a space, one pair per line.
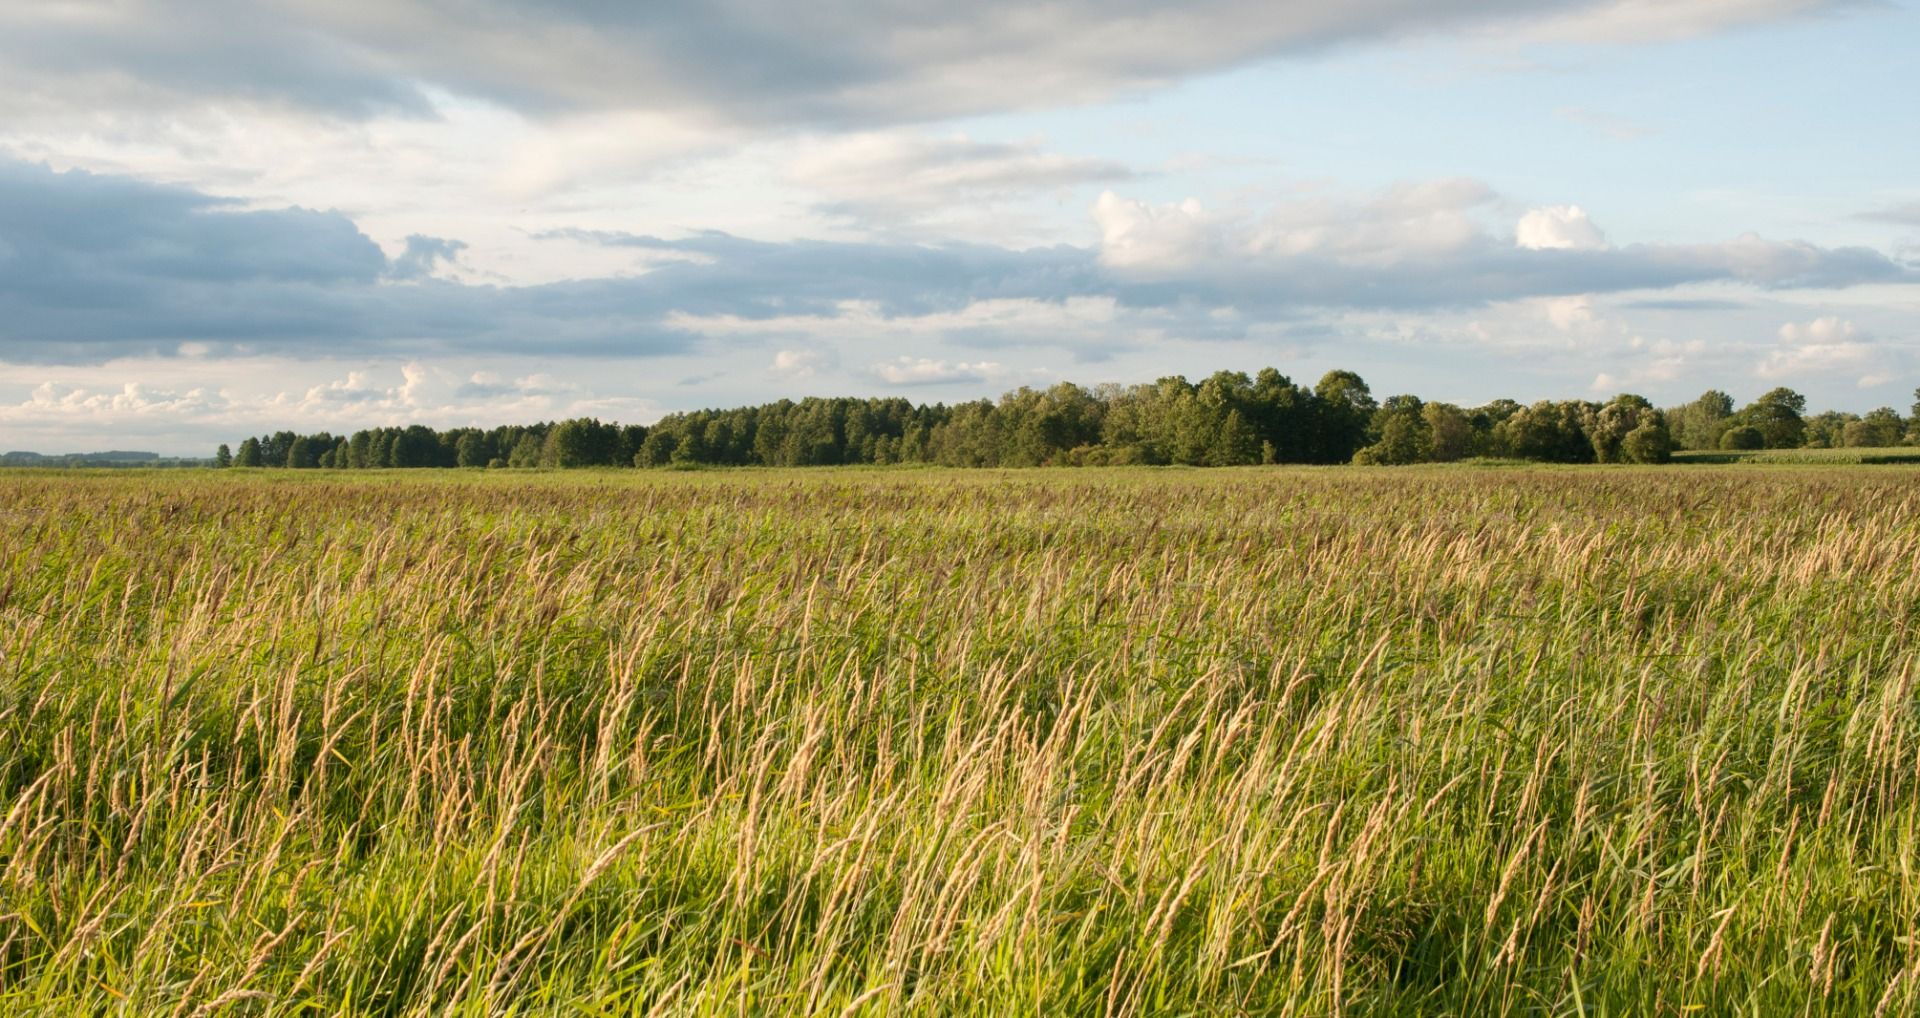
471, 450
301, 454
223, 456
1827, 430
1607, 428
1880, 428
1449, 432
1547, 431
1743, 437
249, 455
1399, 432
526, 451
1648, 443
1699, 424
1345, 408
1779, 415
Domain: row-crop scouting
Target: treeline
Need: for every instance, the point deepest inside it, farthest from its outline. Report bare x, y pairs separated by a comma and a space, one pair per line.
115, 458
1227, 419
582, 442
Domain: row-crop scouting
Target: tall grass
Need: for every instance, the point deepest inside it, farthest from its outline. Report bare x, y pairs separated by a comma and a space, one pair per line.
1288, 742
1852, 456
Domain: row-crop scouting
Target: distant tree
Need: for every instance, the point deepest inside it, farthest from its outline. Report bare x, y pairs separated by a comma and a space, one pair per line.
274, 448
249, 455
525, 452
1547, 431
1743, 437
417, 446
1449, 432
1399, 433
1699, 424
1878, 429
471, 450
301, 454
1608, 427
631, 436
1827, 430
1345, 408
1780, 417
223, 457
1648, 443
581, 442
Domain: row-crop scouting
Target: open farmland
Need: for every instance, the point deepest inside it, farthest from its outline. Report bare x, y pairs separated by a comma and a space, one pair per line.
1268, 741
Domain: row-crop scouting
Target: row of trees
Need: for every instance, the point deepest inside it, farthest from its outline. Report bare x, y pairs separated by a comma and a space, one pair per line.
1779, 420
582, 442
1227, 419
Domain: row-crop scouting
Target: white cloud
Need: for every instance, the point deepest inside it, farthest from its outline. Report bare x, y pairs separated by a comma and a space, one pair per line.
1569, 313
1075, 321
1824, 331
1827, 346
927, 371
1558, 228
1634, 21
1136, 234
743, 60
899, 175
801, 363
1408, 221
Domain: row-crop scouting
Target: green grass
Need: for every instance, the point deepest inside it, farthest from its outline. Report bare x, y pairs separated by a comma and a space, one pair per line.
1830, 457
1252, 741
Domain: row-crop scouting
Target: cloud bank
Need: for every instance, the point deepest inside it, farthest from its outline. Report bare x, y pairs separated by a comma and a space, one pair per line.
743, 61
96, 267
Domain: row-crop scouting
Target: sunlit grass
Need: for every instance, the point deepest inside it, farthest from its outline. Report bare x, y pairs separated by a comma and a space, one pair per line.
1446, 741
1831, 457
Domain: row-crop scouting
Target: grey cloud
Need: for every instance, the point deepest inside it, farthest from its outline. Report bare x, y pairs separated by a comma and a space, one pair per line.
1900, 215
423, 255
107, 266
476, 389
881, 179
760, 61
1685, 304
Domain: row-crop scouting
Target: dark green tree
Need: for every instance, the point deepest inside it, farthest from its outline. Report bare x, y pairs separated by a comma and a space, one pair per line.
1344, 410
471, 450
1779, 415
1699, 424
1608, 427
1879, 429
1648, 443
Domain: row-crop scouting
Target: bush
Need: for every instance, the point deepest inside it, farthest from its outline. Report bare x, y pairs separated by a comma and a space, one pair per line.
1746, 436
1648, 443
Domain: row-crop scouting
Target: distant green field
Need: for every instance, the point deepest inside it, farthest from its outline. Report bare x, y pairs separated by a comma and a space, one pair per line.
1856, 457
1240, 741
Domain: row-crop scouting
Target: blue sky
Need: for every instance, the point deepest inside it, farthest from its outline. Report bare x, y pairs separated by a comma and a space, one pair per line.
222, 218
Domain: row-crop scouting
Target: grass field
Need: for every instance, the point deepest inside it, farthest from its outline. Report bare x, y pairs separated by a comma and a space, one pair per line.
1904, 455
1258, 741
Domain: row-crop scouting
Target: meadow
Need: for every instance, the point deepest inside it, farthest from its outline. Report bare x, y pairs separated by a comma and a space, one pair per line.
1298, 741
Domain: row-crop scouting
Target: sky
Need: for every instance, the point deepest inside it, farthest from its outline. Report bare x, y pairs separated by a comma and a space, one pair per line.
226, 217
